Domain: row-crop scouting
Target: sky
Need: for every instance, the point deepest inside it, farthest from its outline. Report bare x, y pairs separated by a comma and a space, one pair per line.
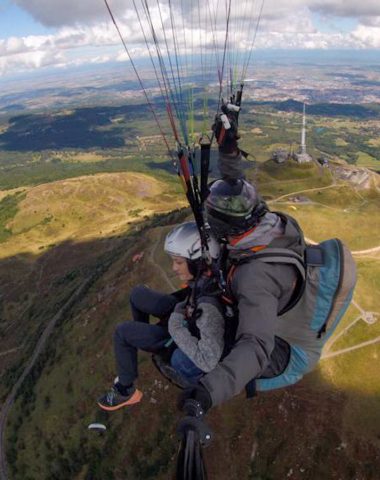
41, 34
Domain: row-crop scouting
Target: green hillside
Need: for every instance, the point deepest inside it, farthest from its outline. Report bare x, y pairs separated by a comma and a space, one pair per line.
80, 208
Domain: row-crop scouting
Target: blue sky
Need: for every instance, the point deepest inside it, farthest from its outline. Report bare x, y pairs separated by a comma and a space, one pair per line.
15, 21
334, 24
41, 34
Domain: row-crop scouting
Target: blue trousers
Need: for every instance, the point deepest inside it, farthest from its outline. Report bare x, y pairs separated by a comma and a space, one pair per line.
129, 337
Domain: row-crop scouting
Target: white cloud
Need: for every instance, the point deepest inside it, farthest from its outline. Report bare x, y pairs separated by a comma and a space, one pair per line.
85, 25
367, 36
30, 61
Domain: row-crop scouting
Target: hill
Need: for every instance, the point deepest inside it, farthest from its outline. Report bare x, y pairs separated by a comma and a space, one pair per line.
327, 426
80, 208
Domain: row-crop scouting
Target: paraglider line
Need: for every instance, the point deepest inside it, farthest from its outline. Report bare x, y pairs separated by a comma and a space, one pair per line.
139, 78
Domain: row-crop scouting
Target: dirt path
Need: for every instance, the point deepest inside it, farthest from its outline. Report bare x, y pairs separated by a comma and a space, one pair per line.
7, 352
367, 251
367, 316
340, 334
305, 191
350, 349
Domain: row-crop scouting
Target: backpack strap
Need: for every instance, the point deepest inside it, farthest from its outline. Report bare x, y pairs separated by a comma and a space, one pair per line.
288, 257
282, 255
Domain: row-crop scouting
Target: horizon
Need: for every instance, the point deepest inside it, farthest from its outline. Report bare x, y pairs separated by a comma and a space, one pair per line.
263, 58
48, 36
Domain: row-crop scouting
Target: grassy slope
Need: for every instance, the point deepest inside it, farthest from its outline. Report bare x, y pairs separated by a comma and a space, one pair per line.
48, 436
83, 208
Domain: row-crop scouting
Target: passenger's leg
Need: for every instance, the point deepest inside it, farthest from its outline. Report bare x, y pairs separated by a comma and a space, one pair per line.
145, 302
129, 337
186, 367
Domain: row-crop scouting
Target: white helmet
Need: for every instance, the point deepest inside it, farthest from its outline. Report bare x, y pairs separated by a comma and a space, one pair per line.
184, 241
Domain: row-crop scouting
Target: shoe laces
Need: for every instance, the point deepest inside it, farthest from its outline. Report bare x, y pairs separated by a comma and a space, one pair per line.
111, 396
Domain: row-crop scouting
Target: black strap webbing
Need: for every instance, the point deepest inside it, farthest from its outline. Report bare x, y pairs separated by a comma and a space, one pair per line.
250, 389
314, 256
205, 166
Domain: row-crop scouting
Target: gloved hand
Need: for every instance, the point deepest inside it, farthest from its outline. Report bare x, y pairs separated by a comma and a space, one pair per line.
225, 129
195, 401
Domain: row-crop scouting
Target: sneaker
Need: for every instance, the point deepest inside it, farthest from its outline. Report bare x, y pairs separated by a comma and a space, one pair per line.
113, 400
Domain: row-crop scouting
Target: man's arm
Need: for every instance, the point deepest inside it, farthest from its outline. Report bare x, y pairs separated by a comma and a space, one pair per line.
231, 165
257, 288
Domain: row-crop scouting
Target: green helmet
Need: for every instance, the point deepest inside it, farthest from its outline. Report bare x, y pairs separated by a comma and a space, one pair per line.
233, 207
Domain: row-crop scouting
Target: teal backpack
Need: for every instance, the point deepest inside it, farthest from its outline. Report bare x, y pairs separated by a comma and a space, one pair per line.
328, 272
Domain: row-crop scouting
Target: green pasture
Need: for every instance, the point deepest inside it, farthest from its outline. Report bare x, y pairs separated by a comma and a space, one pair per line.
352, 219
356, 372
374, 142
365, 160
9, 207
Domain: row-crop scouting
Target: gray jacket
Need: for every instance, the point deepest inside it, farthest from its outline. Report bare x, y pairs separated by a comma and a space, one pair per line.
205, 351
261, 291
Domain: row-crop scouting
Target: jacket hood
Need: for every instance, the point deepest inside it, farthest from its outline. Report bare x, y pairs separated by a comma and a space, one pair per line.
274, 230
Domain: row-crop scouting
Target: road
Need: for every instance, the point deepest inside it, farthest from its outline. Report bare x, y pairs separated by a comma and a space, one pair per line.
367, 251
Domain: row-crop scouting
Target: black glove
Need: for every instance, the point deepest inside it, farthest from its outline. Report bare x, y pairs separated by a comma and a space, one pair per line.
227, 138
195, 401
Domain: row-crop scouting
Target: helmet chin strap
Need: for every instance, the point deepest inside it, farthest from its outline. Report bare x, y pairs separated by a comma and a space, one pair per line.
194, 266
